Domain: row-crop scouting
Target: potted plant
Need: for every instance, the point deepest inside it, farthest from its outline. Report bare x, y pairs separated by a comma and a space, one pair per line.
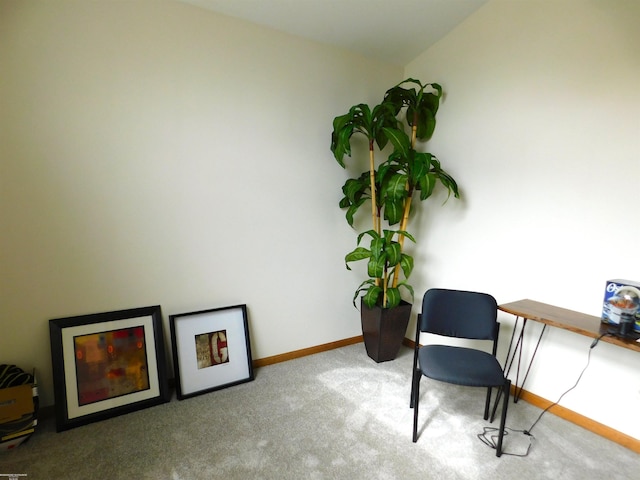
391, 187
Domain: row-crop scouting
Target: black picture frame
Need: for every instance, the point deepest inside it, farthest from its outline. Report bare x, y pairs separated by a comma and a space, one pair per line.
202, 366
107, 364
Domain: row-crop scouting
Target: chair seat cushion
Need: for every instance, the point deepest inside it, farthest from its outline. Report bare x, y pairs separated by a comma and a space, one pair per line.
460, 366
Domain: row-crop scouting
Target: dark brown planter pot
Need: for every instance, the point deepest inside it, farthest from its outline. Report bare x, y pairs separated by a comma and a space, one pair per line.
384, 329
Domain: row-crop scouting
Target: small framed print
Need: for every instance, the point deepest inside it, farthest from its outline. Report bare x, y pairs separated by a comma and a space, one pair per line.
107, 364
211, 350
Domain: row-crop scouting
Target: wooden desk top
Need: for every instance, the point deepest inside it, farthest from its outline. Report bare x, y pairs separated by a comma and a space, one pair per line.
568, 320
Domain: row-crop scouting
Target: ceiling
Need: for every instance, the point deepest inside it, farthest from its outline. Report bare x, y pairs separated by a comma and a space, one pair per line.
393, 31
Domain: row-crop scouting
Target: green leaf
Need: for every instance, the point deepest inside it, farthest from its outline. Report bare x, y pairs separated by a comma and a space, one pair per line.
426, 185
396, 187
341, 121
398, 97
342, 144
400, 140
438, 89
388, 235
371, 233
408, 287
375, 267
370, 298
420, 166
393, 297
426, 124
356, 192
359, 253
393, 210
338, 147
406, 235
383, 116
354, 188
448, 181
385, 171
393, 252
406, 263
377, 247
364, 287
366, 118
352, 210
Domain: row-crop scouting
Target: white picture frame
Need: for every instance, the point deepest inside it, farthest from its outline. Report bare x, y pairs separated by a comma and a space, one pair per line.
211, 350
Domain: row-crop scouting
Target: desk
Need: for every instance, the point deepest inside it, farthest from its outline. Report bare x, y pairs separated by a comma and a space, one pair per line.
560, 318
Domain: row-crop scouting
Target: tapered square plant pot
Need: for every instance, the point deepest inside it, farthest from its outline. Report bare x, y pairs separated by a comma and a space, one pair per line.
383, 330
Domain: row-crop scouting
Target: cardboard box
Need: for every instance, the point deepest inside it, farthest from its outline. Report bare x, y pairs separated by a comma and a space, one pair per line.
18, 414
15, 402
612, 287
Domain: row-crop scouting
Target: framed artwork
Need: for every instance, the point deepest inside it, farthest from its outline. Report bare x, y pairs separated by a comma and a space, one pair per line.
211, 350
107, 364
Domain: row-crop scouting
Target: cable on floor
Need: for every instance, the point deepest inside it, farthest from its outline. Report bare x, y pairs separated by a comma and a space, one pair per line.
489, 437
490, 434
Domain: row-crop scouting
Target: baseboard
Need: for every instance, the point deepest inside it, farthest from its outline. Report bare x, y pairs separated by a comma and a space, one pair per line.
585, 422
262, 362
409, 343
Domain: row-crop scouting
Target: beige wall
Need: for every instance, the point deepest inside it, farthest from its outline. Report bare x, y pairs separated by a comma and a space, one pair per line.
541, 127
157, 153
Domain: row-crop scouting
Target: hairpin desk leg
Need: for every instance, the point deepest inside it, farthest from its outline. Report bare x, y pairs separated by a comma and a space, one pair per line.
511, 356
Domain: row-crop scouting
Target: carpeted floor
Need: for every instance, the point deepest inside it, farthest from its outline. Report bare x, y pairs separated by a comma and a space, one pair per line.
334, 415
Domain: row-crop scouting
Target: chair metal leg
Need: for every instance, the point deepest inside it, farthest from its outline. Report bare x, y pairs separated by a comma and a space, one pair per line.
487, 404
414, 378
415, 402
503, 418
416, 372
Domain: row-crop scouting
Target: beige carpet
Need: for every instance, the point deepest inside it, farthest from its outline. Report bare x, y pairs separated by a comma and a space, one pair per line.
334, 415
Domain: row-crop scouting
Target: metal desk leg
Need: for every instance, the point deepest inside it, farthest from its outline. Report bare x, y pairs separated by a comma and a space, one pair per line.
518, 390
511, 355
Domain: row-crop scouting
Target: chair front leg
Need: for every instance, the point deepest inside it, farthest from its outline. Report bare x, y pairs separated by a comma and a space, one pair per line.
487, 404
415, 378
414, 403
503, 417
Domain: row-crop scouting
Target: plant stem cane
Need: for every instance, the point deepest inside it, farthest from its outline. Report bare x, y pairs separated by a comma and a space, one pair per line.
374, 207
407, 205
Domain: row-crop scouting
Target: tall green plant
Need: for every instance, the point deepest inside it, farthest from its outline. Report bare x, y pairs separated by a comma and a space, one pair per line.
391, 186
371, 123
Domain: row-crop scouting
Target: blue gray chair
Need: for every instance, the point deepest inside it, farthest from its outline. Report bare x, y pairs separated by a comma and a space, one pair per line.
460, 314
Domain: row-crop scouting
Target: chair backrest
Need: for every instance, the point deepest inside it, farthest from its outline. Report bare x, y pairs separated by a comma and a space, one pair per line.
457, 313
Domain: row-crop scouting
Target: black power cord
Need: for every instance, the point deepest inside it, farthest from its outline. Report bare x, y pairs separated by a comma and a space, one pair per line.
593, 344
490, 436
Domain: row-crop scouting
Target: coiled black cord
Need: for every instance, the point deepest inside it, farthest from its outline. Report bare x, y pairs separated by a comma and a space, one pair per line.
490, 436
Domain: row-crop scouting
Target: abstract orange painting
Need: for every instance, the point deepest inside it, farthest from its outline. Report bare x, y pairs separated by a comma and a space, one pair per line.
110, 364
